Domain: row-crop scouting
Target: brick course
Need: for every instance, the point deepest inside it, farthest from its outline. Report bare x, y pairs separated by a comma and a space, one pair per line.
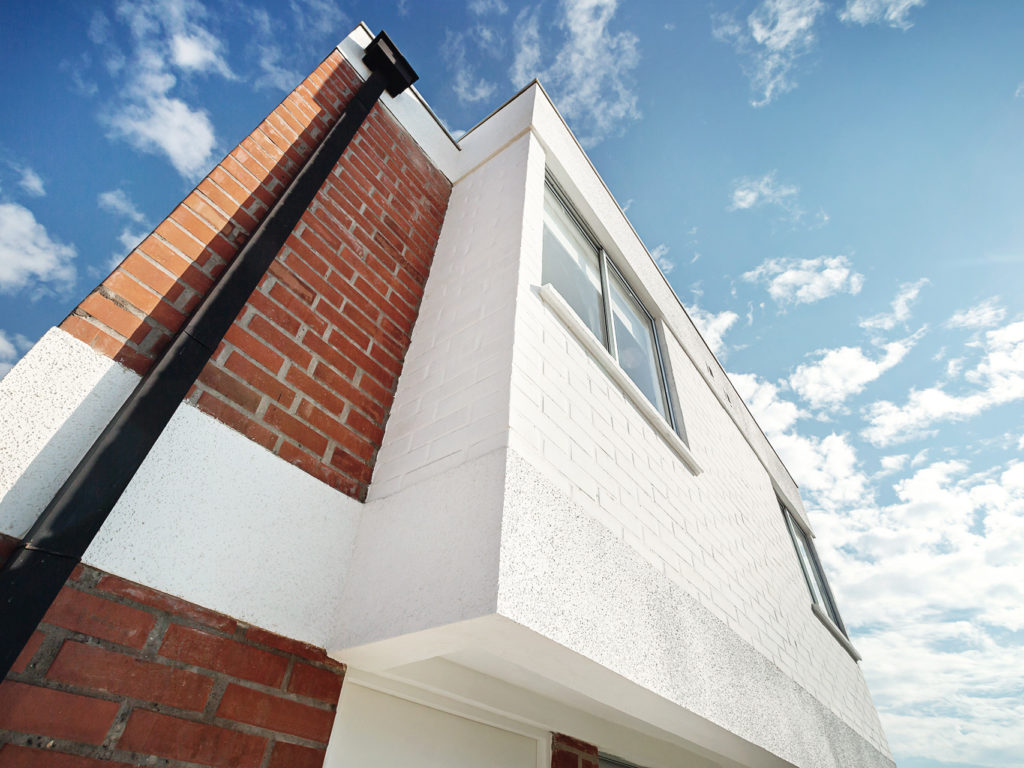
310, 366
175, 682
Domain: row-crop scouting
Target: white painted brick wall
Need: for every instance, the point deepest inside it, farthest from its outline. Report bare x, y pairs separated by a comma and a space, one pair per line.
452, 400
720, 535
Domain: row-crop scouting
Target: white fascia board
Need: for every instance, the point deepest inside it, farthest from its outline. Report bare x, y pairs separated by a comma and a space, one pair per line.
455, 159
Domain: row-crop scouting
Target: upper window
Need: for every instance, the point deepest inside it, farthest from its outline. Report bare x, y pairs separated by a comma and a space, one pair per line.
582, 273
811, 567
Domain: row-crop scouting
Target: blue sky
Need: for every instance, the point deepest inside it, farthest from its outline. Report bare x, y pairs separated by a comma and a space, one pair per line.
834, 190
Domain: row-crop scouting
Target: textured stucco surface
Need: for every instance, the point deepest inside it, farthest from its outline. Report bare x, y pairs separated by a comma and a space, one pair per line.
564, 575
53, 405
210, 517
220, 521
426, 556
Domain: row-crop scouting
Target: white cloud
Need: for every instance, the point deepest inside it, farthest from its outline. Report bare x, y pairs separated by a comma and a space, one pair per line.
29, 256
891, 12
166, 35
269, 56
31, 182
900, 312
129, 238
167, 126
660, 255
311, 28
982, 315
526, 64
481, 7
116, 201
774, 415
826, 468
713, 327
804, 281
1019, 93
753, 192
931, 586
199, 52
839, 373
998, 379
469, 87
893, 463
11, 348
775, 35
591, 75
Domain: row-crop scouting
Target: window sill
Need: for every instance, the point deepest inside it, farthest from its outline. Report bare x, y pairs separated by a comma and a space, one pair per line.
836, 633
554, 300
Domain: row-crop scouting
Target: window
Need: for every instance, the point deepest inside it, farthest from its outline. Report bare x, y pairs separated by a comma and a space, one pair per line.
821, 595
581, 272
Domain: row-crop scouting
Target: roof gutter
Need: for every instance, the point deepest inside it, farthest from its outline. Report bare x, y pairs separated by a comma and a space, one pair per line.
38, 568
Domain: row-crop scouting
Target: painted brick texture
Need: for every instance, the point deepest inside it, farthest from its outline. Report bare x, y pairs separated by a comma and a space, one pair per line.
567, 752
119, 674
718, 535
310, 366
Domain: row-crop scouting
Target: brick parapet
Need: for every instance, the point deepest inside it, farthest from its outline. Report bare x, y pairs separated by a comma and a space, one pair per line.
120, 673
135, 312
309, 368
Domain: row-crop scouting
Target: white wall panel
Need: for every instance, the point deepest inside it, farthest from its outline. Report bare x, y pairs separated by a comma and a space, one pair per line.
384, 731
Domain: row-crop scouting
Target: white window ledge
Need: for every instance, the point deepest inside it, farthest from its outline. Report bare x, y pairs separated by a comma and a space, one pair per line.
836, 632
586, 337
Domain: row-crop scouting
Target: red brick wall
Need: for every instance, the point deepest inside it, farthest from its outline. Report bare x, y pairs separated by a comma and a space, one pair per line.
567, 752
133, 314
119, 672
310, 366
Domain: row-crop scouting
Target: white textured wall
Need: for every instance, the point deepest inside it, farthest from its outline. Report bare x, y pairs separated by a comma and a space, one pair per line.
53, 404
567, 577
451, 404
384, 731
211, 516
719, 535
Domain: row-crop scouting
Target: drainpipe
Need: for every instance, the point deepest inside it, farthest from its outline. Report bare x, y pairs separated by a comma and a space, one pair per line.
38, 568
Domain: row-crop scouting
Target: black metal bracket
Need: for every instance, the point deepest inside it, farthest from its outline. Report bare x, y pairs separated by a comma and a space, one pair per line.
382, 56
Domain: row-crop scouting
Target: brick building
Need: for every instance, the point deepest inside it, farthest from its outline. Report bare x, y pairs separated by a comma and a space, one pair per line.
459, 484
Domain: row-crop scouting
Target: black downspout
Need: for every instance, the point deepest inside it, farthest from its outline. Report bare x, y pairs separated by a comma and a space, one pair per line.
38, 568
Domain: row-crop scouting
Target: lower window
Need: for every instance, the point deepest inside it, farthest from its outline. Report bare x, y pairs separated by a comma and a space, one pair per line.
821, 594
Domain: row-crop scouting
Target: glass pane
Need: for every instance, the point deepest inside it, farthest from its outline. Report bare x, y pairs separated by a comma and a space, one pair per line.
819, 577
634, 342
810, 573
572, 266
